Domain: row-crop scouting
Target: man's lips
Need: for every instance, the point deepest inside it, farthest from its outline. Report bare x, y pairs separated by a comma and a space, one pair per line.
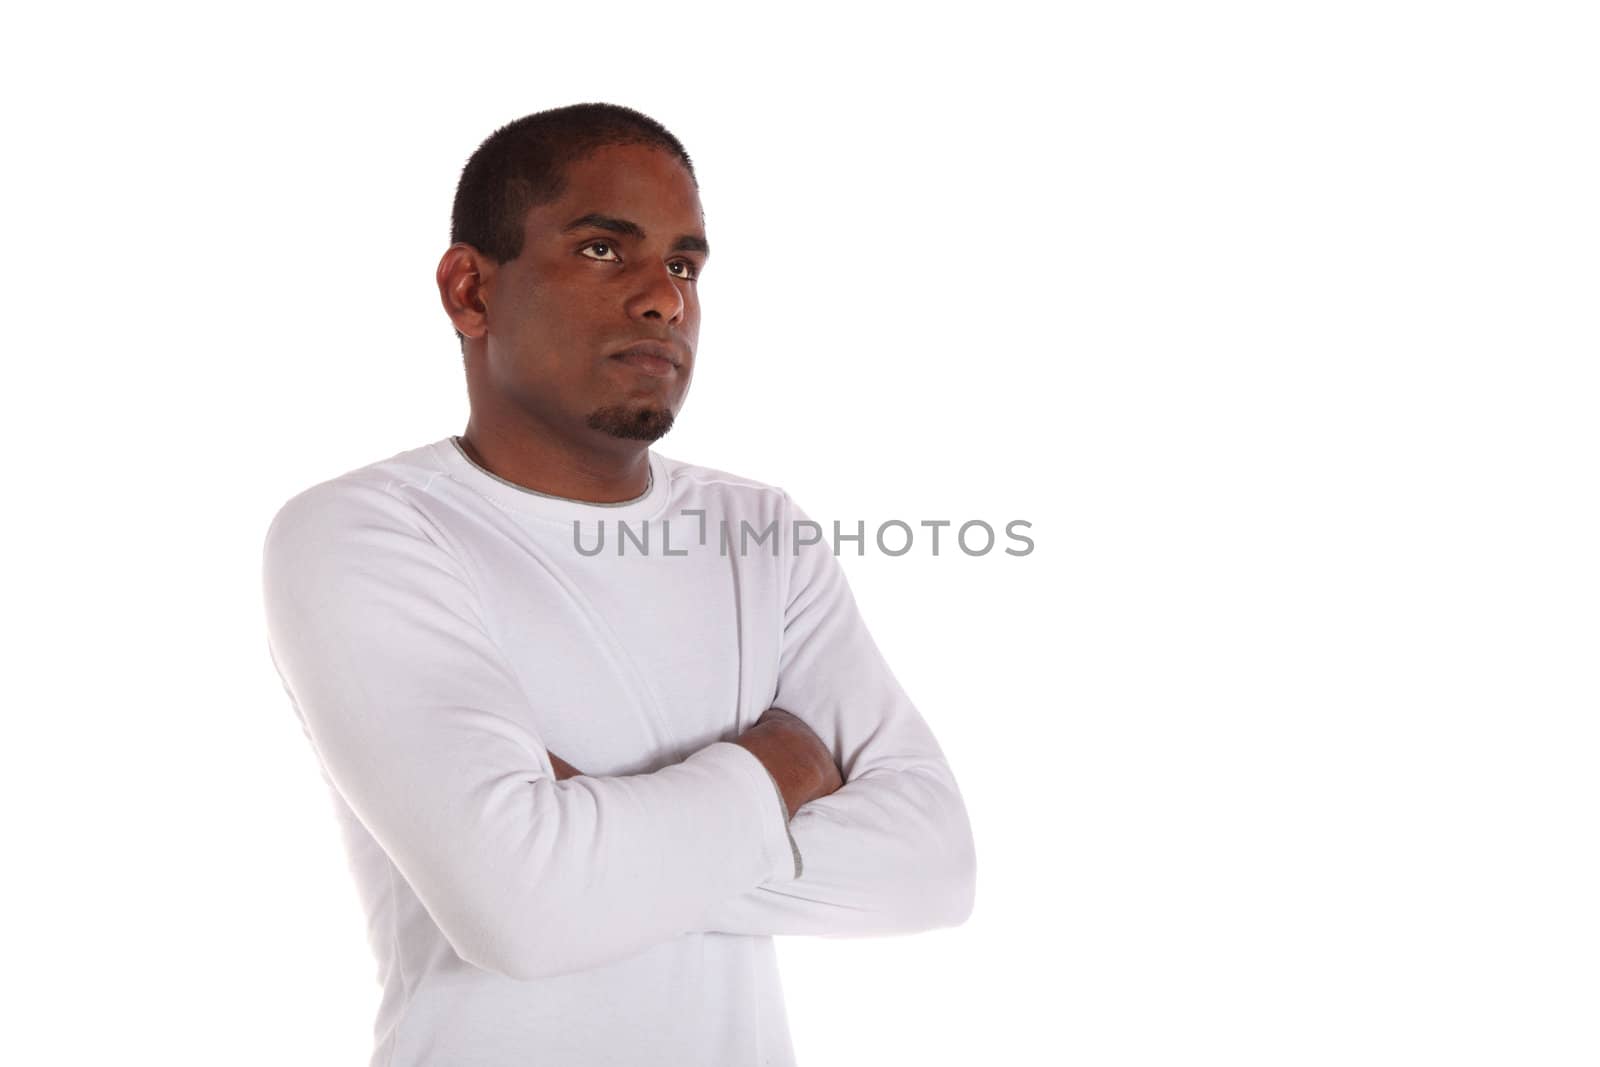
651, 357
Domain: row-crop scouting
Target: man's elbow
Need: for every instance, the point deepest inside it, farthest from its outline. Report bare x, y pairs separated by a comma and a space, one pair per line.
523, 966
961, 883
540, 950
550, 927
943, 892
949, 884
482, 936
501, 960
495, 948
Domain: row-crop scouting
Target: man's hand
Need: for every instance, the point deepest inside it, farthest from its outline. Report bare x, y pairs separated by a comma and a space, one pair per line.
789, 749
797, 758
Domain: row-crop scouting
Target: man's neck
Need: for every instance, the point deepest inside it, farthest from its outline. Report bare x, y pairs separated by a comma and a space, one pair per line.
549, 468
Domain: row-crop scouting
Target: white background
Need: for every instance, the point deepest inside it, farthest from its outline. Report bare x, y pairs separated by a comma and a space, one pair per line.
1277, 322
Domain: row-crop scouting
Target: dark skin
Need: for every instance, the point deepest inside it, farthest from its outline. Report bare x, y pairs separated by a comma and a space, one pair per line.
541, 329
775, 739
554, 408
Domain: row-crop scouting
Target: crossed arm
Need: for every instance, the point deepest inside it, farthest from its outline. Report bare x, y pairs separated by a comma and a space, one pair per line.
531, 868
891, 850
885, 853
876, 861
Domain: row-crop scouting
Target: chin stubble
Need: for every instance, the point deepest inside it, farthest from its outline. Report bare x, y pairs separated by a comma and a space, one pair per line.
634, 424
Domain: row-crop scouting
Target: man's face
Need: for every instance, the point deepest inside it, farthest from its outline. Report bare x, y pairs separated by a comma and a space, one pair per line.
609, 264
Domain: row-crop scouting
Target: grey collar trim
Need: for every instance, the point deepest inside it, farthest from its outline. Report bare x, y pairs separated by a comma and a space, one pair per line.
650, 482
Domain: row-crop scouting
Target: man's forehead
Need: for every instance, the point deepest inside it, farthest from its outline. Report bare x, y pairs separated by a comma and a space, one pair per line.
615, 175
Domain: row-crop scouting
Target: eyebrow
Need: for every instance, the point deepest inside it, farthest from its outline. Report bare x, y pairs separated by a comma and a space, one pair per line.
686, 243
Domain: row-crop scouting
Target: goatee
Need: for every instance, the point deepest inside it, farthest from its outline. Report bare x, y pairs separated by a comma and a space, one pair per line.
631, 423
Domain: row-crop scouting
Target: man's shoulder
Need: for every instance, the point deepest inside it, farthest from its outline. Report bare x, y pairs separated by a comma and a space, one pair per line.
369, 494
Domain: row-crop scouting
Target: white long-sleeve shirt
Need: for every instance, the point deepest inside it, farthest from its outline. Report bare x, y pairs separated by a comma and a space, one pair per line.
440, 630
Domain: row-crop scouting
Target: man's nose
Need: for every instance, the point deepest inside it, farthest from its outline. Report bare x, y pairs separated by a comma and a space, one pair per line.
659, 296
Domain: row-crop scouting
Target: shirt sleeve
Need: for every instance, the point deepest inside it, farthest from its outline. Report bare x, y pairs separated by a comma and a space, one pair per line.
783, 813
422, 728
891, 851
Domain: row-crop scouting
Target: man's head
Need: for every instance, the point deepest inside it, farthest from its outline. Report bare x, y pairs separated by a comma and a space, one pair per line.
576, 233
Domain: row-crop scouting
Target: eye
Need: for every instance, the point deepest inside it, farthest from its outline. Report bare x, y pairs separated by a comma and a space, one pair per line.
686, 269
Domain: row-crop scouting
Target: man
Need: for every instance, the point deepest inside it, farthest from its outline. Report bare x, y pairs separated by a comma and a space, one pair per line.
444, 626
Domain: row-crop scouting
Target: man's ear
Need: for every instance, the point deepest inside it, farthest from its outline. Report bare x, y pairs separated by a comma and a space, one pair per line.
463, 277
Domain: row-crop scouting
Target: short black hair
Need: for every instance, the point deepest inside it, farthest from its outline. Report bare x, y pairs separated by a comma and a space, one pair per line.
524, 164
